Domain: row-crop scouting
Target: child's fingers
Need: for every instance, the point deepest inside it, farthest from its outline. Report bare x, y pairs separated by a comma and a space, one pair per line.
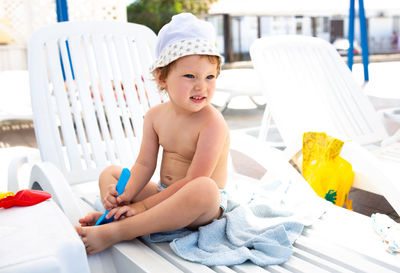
123, 198
112, 189
111, 213
107, 205
121, 211
130, 213
109, 202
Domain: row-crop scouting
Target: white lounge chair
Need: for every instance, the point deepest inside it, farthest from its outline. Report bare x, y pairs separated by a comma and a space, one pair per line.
308, 87
15, 103
248, 85
84, 123
88, 108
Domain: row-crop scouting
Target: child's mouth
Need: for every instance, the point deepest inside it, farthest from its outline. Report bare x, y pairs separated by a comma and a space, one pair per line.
197, 99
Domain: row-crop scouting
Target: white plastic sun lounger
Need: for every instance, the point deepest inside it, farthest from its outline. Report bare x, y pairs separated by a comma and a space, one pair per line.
308, 87
15, 103
248, 85
91, 118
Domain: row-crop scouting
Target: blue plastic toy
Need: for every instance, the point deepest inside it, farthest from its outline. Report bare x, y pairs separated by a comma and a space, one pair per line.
123, 179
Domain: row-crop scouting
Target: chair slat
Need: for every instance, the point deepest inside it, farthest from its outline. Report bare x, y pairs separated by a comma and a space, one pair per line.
138, 73
112, 112
76, 108
322, 263
348, 259
165, 251
119, 66
141, 67
86, 102
135, 256
296, 264
249, 267
132, 86
62, 102
88, 46
46, 126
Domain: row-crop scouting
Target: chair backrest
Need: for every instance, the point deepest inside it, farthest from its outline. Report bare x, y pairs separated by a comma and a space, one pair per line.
308, 87
90, 88
239, 81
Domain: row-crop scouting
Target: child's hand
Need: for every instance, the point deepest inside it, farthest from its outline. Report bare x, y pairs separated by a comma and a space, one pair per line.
126, 211
125, 197
110, 199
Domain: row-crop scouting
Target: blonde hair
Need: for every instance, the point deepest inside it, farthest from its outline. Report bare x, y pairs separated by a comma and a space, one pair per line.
161, 73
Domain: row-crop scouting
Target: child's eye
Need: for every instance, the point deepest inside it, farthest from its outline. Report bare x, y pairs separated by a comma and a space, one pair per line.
210, 77
190, 76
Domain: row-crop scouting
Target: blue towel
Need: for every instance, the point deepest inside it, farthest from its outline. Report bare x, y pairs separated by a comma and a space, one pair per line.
261, 229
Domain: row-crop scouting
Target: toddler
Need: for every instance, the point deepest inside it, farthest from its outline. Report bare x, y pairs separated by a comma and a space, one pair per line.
195, 142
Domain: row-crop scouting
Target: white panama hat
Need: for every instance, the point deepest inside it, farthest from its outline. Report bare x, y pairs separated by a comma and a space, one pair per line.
184, 35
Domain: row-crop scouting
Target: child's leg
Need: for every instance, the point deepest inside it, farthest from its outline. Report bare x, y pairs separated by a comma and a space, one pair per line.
110, 175
195, 204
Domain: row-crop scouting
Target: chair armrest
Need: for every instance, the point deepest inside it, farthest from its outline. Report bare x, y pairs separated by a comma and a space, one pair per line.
15, 167
394, 115
272, 159
45, 176
392, 139
372, 174
391, 113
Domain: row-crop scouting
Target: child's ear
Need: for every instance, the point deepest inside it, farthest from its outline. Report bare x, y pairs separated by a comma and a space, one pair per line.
161, 82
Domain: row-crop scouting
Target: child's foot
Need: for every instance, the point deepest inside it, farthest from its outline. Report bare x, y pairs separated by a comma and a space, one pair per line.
90, 219
97, 238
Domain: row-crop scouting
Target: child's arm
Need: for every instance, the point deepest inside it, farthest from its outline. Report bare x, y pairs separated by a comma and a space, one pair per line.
146, 162
126, 211
123, 179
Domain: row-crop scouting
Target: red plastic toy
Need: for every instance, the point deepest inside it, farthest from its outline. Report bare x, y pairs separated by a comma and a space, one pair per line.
24, 198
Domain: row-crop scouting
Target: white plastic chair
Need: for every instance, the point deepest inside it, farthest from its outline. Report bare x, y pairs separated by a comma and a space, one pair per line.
83, 124
308, 87
248, 85
15, 103
90, 87
88, 108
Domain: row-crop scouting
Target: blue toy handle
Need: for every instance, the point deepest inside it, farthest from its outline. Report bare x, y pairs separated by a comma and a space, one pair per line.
122, 181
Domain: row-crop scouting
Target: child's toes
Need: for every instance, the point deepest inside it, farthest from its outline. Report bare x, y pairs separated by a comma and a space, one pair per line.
90, 250
81, 231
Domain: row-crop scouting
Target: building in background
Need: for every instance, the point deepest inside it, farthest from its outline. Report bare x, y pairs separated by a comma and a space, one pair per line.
239, 23
20, 18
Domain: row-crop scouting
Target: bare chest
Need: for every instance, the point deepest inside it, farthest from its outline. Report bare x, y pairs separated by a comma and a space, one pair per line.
178, 138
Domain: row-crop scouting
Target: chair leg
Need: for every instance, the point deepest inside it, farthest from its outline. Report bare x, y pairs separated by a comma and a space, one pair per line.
256, 103
265, 124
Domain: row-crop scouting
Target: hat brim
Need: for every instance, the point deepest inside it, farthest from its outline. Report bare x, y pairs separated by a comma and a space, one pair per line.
178, 49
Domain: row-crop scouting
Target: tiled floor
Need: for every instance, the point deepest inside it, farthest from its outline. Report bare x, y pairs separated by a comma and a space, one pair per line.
17, 133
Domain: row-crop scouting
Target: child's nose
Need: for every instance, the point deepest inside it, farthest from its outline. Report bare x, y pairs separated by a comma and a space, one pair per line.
200, 84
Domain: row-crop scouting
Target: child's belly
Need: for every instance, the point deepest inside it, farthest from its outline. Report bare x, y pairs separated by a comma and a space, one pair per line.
173, 167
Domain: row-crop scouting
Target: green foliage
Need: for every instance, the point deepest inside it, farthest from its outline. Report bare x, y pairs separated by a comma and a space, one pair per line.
156, 13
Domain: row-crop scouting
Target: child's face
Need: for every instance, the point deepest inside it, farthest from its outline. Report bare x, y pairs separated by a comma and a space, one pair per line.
191, 82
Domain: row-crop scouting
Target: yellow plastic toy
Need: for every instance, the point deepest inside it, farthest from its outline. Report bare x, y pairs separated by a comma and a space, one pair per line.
328, 174
6, 194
